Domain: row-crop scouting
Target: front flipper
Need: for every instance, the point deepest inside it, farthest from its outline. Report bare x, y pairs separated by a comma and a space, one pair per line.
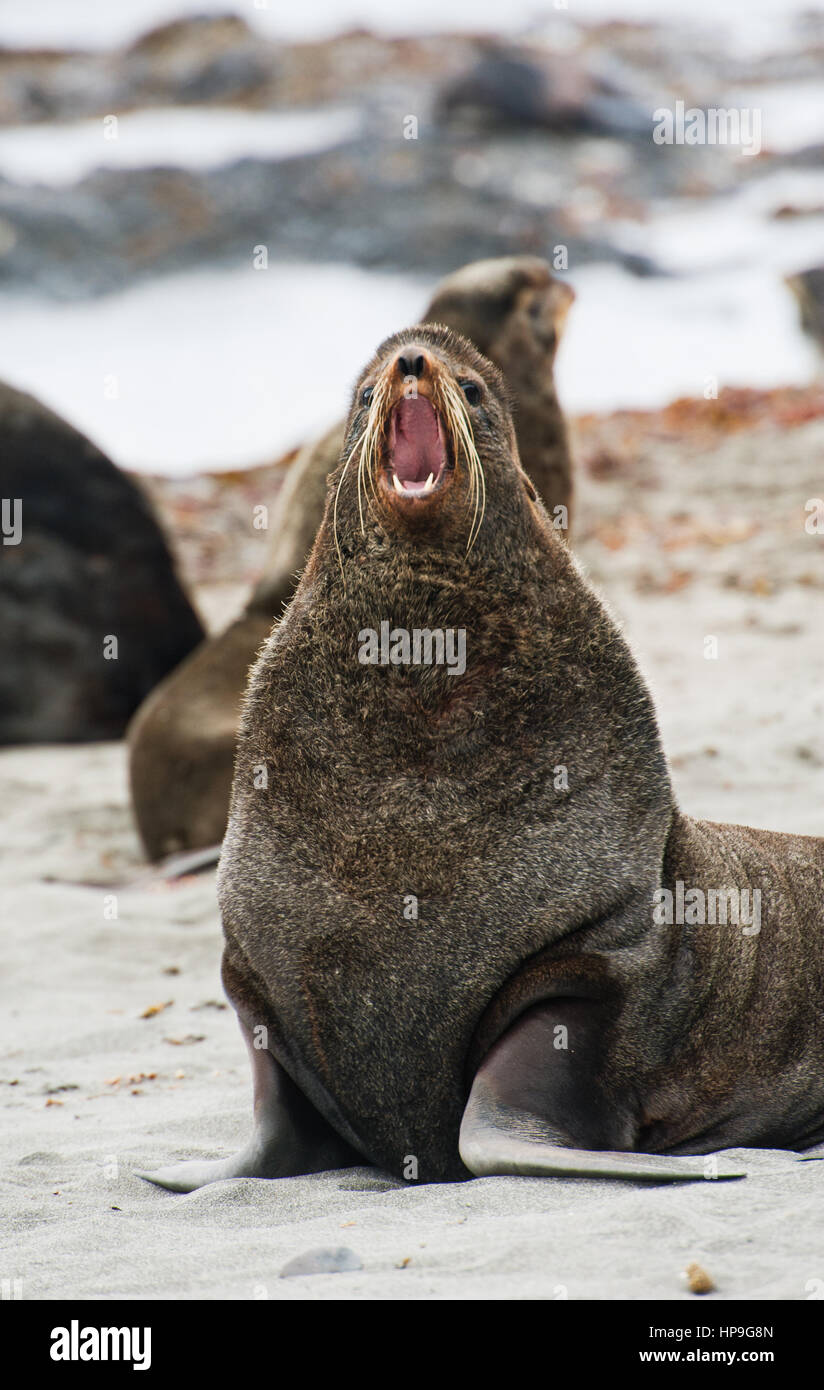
529, 1099
289, 1137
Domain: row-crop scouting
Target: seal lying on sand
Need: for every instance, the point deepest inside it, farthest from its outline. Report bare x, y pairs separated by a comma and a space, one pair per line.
444, 890
182, 741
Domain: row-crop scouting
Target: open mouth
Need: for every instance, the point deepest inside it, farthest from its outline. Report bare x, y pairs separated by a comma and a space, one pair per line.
417, 455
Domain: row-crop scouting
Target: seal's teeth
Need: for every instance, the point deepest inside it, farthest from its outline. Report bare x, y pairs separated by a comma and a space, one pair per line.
430, 483
399, 487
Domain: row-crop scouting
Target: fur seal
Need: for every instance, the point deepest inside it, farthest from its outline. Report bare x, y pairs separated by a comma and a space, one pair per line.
181, 743
445, 904
92, 611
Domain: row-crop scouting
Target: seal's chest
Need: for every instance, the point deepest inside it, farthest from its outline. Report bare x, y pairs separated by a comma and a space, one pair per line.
383, 1013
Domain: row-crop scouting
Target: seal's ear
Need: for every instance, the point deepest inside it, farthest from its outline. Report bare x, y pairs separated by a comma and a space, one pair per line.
531, 1100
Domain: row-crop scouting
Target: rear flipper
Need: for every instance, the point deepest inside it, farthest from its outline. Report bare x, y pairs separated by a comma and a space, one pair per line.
528, 1098
289, 1136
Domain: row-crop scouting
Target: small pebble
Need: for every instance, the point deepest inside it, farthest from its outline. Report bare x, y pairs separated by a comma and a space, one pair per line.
698, 1279
322, 1261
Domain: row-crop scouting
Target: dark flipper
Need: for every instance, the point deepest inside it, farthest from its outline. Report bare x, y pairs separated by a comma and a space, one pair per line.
530, 1101
289, 1136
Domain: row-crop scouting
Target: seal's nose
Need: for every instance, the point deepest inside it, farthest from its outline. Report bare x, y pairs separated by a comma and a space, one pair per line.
413, 361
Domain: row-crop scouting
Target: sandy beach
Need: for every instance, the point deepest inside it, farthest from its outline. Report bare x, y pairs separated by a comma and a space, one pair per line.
118, 1051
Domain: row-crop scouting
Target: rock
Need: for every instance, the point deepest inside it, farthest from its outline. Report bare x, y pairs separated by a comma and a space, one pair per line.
698, 1280
510, 87
82, 562
201, 34
374, 200
322, 1261
200, 58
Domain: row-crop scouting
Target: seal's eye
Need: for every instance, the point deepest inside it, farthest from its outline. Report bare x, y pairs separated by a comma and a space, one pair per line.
367, 395
472, 391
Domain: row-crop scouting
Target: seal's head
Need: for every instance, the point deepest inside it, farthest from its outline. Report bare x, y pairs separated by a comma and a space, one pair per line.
514, 310
512, 307
430, 446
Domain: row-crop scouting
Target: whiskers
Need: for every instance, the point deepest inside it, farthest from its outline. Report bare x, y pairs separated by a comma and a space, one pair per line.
368, 442
451, 404
371, 441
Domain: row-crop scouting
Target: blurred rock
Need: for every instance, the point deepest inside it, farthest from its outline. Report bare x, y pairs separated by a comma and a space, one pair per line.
333, 1260
215, 59
515, 150
511, 87
82, 561
376, 201
201, 58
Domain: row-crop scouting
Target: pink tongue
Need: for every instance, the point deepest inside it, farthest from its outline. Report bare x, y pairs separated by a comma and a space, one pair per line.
416, 444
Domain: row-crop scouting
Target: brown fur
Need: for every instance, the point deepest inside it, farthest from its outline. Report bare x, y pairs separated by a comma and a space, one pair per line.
180, 743
397, 780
